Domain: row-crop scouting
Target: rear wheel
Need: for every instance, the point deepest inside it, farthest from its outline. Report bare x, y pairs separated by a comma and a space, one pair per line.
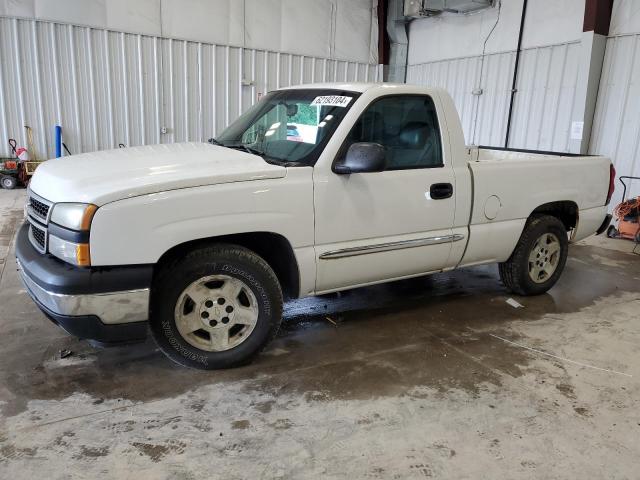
216, 307
539, 258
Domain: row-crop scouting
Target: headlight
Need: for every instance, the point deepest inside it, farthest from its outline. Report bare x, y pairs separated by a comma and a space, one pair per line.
76, 216
71, 242
74, 253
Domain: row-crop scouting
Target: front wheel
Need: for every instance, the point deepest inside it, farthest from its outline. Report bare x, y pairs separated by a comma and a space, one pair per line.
215, 307
539, 258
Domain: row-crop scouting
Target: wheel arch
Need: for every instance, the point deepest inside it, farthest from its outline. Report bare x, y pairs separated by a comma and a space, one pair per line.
516, 272
564, 210
274, 248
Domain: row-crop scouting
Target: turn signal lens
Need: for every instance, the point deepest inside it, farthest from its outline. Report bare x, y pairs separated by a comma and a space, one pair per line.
83, 258
87, 216
73, 253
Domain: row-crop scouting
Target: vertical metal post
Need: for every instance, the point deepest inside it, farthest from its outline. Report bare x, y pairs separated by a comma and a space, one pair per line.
515, 74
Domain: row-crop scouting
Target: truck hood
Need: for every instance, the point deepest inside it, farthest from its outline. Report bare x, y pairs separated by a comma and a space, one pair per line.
110, 175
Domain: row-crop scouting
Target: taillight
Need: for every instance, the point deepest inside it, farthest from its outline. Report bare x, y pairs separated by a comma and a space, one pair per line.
612, 185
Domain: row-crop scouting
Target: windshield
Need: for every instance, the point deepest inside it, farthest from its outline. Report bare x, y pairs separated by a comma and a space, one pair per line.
289, 126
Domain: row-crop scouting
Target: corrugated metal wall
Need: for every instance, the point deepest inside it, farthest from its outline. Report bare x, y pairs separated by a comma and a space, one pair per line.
459, 77
107, 87
616, 128
544, 103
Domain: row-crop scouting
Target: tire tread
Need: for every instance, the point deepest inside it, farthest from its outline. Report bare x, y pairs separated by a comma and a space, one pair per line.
206, 254
512, 272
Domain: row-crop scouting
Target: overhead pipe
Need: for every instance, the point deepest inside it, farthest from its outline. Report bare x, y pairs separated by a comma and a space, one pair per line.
383, 38
515, 74
399, 41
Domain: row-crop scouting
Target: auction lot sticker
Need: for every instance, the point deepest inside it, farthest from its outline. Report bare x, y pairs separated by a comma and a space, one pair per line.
332, 100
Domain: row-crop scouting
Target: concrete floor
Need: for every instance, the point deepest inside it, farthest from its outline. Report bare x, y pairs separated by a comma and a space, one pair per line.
433, 377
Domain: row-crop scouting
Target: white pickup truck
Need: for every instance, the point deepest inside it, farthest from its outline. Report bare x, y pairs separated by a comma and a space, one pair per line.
315, 189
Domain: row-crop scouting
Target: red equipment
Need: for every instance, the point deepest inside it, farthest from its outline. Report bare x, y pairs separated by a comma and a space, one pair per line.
628, 215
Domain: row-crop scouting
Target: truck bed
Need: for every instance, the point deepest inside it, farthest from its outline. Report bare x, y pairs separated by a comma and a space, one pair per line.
508, 185
523, 181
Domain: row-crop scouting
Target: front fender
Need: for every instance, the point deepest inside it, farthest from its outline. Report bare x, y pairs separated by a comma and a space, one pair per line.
141, 229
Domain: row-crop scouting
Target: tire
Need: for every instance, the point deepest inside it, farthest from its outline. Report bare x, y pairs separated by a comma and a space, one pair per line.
215, 307
8, 183
612, 232
538, 259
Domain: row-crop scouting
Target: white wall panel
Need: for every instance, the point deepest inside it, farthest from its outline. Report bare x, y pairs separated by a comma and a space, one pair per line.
18, 8
212, 21
616, 131
138, 16
545, 101
543, 105
548, 22
493, 104
625, 17
83, 12
263, 24
459, 77
453, 36
299, 35
353, 19
551, 22
107, 87
342, 29
483, 116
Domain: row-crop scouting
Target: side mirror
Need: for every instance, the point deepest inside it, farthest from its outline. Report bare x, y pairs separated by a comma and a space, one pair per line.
362, 157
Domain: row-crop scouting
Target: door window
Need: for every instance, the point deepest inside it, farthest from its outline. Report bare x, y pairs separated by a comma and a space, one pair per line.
407, 126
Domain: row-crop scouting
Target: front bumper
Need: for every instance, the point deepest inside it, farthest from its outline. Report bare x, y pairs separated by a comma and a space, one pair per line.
104, 304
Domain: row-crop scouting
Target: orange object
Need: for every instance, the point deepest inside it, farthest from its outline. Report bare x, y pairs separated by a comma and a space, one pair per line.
82, 255
628, 229
10, 165
87, 216
628, 215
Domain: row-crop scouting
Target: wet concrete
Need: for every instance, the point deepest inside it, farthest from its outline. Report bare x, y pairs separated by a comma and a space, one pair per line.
430, 377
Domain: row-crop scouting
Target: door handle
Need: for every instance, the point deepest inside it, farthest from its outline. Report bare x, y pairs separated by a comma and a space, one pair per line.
440, 191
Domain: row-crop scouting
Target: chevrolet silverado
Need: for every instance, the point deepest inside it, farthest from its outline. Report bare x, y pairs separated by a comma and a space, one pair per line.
201, 242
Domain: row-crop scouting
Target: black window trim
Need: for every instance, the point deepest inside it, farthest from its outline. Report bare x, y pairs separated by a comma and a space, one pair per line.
343, 148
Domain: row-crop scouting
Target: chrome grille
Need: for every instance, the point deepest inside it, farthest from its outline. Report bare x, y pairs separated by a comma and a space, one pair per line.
38, 213
39, 209
38, 237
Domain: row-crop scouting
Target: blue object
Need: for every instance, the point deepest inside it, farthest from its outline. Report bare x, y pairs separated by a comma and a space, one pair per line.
58, 136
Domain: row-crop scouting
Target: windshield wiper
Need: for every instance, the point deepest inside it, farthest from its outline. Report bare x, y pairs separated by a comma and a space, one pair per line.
247, 149
253, 151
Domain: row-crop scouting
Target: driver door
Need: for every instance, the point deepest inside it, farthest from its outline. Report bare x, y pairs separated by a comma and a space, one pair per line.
377, 226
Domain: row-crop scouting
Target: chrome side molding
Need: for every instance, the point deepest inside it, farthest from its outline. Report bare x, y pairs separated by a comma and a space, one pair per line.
387, 247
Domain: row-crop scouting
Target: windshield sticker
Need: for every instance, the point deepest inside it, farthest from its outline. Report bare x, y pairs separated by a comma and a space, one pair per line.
332, 100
